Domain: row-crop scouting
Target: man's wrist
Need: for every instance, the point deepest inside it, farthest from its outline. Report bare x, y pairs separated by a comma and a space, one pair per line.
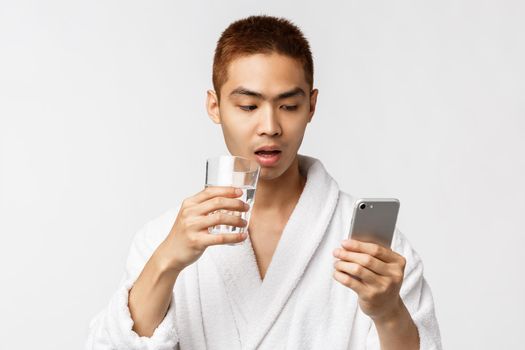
396, 329
164, 267
394, 315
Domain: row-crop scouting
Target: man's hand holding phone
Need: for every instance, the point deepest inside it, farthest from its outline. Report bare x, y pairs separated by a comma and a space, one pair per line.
366, 264
374, 272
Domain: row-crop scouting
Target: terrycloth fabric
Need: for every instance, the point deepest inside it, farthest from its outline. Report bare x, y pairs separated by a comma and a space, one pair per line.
220, 302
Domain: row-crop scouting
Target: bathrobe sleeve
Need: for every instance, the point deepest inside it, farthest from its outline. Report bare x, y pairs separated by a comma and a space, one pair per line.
112, 327
417, 296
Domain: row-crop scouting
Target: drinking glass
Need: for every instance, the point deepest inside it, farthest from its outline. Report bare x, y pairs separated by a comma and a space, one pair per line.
238, 172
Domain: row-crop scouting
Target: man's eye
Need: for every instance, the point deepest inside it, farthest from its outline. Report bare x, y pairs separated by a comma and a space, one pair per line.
290, 108
248, 108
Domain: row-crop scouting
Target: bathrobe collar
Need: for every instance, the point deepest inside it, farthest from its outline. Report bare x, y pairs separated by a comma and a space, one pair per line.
260, 302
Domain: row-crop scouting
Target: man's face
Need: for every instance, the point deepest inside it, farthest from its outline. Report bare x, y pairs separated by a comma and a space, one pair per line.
265, 101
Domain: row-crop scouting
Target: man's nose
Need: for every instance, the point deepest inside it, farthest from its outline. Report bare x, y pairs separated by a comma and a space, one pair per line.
269, 122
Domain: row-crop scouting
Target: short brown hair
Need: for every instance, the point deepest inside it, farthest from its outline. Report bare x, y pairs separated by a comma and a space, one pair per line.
260, 34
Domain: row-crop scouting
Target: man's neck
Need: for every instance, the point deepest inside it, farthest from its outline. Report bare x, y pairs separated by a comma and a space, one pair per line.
279, 194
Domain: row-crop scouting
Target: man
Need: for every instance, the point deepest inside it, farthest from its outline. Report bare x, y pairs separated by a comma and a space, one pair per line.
296, 282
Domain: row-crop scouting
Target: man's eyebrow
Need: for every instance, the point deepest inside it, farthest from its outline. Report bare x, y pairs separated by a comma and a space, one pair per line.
297, 91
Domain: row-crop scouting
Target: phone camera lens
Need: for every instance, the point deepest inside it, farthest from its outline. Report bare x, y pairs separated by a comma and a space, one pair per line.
362, 206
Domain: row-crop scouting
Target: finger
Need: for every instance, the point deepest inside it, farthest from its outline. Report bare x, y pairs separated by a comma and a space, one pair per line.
209, 239
219, 218
376, 250
216, 203
215, 191
370, 262
349, 281
356, 270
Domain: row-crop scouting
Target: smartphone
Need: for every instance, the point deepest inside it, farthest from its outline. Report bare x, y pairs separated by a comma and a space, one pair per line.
374, 220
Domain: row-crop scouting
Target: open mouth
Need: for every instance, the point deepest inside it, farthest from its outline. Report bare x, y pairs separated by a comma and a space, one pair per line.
268, 158
267, 153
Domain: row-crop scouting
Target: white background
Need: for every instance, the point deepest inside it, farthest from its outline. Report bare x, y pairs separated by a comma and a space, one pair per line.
103, 127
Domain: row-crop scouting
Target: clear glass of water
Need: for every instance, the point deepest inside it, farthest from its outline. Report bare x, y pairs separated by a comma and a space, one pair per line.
238, 172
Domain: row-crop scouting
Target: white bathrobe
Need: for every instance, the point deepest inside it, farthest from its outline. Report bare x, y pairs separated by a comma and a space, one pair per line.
220, 301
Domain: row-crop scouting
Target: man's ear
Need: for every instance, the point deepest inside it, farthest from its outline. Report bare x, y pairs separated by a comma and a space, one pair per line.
212, 106
313, 102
